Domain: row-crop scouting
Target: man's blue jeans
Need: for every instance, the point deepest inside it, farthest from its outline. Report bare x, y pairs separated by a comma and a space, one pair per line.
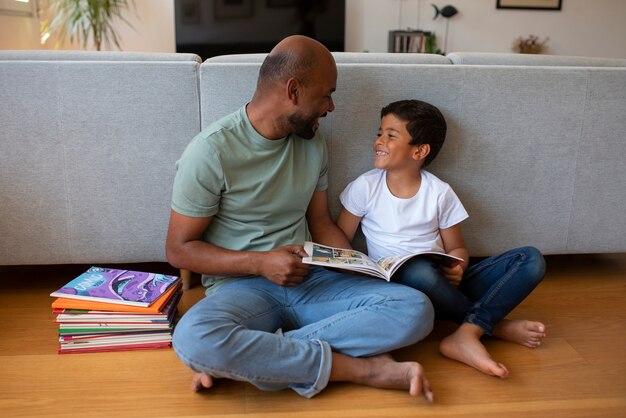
279, 337
489, 290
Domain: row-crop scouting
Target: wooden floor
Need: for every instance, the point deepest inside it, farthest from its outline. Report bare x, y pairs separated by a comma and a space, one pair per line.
579, 371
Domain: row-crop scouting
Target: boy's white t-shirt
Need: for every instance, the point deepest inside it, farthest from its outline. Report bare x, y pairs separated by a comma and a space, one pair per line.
396, 226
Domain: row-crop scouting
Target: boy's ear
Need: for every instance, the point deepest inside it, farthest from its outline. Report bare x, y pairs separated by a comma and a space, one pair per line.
421, 151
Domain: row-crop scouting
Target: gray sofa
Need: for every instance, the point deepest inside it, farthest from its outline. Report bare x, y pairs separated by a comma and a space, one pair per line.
88, 143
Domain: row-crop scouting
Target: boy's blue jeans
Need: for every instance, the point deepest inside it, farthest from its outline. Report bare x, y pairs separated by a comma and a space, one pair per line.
489, 290
233, 333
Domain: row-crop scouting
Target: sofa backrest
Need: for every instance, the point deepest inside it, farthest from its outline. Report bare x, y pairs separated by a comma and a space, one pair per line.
88, 146
87, 151
534, 153
492, 58
72, 55
348, 57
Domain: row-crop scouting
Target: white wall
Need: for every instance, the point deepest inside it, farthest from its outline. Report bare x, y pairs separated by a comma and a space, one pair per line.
582, 27
153, 25
19, 32
152, 20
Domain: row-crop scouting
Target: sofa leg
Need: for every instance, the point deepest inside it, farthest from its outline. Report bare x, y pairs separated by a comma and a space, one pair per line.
186, 278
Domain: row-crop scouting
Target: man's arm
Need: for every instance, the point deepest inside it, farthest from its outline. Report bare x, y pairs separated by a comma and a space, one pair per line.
323, 229
185, 249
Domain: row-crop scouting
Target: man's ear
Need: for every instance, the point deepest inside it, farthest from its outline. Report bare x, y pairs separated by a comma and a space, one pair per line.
293, 87
421, 151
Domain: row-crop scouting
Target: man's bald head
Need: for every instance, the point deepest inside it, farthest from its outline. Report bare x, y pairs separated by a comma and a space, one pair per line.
294, 89
295, 56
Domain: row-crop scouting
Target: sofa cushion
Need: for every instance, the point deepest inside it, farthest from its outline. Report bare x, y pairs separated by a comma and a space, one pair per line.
87, 153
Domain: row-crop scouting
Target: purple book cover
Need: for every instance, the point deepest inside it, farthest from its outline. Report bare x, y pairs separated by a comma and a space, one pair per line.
126, 287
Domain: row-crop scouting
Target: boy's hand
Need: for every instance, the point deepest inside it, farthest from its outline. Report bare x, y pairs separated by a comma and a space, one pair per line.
454, 274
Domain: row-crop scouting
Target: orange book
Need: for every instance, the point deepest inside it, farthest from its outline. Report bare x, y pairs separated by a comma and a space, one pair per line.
156, 307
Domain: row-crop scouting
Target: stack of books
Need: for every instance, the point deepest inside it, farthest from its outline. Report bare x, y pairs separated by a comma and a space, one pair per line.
106, 309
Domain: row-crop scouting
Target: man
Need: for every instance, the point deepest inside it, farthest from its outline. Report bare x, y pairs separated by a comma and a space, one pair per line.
250, 189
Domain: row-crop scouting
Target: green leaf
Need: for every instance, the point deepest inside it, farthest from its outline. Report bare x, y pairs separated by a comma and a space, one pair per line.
83, 20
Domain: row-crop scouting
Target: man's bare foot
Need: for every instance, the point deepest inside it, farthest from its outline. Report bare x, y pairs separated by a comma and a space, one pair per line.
520, 331
464, 345
201, 381
384, 372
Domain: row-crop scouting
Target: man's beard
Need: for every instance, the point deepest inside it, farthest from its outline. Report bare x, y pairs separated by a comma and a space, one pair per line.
302, 126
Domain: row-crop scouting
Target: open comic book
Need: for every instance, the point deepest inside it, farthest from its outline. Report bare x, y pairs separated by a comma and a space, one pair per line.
354, 260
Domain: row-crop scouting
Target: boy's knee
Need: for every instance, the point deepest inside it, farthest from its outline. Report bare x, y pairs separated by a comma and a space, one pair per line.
535, 262
420, 274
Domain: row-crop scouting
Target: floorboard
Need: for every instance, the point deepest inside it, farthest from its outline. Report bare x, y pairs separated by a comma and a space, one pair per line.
579, 371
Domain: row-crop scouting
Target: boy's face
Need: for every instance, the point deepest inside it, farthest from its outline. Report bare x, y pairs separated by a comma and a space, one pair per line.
391, 147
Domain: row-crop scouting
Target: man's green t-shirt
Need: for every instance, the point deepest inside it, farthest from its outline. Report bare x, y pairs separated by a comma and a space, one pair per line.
257, 190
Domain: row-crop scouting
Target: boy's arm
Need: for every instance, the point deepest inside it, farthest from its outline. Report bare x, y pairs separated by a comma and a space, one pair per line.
454, 244
323, 229
348, 223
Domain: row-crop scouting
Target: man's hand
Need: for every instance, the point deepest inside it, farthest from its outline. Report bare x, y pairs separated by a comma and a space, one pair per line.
283, 265
454, 274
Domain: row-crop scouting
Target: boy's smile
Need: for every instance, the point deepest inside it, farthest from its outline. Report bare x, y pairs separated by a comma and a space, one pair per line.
392, 148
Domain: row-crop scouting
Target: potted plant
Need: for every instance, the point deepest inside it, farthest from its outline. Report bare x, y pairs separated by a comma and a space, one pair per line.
84, 19
430, 46
529, 45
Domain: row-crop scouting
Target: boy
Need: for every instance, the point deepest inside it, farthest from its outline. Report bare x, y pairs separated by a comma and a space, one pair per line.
403, 208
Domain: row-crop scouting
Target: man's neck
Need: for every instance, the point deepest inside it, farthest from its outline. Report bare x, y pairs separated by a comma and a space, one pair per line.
265, 120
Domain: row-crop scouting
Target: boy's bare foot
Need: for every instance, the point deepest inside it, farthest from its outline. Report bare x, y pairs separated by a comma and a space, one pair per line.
464, 345
384, 372
528, 333
201, 381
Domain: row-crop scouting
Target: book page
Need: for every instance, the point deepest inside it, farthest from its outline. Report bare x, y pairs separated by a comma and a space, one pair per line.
340, 258
387, 263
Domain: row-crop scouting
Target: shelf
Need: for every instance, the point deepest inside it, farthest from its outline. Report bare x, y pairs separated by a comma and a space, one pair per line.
407, 41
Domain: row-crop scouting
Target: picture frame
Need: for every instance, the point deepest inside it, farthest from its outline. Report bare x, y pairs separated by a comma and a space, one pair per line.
280, 3
529, 4
233, 9
191, 13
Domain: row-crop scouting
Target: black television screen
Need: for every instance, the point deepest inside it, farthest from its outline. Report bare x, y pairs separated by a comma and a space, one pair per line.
219, 27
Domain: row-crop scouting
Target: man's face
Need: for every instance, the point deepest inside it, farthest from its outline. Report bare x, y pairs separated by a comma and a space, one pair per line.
304, 125
315, 101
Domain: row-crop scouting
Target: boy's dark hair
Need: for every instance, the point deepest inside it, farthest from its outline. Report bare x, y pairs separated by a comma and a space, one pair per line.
425, 124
